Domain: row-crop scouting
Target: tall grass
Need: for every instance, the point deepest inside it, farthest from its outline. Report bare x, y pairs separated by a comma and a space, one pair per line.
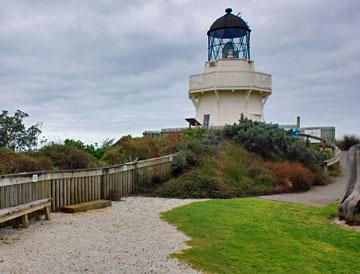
232, 171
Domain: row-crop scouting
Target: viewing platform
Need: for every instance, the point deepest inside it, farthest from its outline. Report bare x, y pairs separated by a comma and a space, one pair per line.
230, 80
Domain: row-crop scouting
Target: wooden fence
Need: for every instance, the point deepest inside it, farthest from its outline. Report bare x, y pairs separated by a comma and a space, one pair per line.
75, 186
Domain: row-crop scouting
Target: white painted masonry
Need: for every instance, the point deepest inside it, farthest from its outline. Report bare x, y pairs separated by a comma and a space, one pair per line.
228, 88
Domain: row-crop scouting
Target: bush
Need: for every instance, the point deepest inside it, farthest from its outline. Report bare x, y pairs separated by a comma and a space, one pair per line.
310, 158
194, 184
347, 141
183, 161
272, 143
11, 162
7, 161
94, 150
68, 157
291, 176
27, 163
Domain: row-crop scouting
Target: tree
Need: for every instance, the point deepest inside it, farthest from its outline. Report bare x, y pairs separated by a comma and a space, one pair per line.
14, 134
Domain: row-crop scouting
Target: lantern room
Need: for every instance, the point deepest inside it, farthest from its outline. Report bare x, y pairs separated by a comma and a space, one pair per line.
229, 37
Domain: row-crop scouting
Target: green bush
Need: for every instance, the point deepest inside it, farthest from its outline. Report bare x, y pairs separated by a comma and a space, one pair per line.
347, 141
194, 184
94, 150
272, 143
183, 161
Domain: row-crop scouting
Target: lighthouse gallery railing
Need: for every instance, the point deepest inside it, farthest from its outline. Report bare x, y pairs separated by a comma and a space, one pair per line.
230, 80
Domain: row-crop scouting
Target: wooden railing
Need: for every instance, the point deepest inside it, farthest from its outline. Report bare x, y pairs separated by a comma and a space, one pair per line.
75, 186
335, 151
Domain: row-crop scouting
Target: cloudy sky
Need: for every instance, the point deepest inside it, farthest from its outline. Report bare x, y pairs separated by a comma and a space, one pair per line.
99, 69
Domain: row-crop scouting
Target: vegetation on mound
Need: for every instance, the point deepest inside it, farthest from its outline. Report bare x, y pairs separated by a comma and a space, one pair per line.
20, 152
231, 171
248, 158
273, 143
11, 162
258, 236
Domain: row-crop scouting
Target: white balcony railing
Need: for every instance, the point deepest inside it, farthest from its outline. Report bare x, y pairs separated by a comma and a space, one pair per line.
230, 80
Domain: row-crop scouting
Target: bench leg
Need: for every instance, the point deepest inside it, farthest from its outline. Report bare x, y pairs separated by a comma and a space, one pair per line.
25, 221
47, 213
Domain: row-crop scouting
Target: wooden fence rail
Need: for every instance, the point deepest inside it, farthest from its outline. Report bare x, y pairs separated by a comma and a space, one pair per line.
75, 186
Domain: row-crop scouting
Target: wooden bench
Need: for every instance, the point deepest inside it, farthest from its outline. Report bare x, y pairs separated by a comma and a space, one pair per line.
23, 210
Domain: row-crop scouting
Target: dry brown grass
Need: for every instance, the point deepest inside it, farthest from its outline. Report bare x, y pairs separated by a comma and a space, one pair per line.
291, 176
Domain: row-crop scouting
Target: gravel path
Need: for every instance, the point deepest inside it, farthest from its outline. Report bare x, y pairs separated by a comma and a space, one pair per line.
318, 195
129, 237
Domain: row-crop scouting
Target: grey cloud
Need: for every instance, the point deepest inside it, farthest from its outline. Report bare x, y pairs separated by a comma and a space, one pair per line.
99, 69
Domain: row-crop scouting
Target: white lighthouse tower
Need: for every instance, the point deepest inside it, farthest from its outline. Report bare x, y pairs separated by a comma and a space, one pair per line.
230, 86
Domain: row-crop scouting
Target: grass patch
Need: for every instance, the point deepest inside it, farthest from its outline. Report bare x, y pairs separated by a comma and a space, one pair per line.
258, 236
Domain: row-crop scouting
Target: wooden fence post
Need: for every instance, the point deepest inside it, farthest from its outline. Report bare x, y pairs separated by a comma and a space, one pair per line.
135, 176
102, 190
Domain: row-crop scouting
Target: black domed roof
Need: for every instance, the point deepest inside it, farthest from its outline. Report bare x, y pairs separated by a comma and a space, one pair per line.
227, 21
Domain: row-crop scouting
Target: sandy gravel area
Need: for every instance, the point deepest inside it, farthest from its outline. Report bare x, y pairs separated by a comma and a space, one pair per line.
317, 195
129, 237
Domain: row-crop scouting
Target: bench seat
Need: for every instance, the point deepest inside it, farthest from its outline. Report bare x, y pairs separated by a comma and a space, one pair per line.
23, 210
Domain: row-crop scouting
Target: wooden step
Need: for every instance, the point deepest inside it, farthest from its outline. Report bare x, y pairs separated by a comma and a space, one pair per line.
82, 207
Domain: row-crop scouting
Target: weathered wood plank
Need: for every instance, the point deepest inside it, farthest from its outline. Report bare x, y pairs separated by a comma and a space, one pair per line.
18, 211
85, 206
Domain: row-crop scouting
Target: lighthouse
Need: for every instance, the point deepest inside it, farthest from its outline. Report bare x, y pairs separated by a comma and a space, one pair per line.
229, 86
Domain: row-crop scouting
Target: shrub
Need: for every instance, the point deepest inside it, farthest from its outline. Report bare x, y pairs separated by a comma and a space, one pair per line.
183, 161
272, 143
170, 142
27, 163
310, 158
11, 162
94, 150
7, 161
194, 184
291, 176
68, 157
347, 141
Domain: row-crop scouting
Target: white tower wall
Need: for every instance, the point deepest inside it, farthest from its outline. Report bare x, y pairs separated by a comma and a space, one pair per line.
228, 88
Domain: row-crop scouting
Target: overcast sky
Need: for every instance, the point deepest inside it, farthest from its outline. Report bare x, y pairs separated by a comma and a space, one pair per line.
101, 69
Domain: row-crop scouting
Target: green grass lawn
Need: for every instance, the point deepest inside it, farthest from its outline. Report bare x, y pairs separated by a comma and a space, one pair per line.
257, 236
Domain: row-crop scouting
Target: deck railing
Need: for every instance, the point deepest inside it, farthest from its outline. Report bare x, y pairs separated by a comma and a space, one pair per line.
230, 80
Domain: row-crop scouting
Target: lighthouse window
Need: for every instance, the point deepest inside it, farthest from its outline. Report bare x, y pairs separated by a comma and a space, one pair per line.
206, 120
